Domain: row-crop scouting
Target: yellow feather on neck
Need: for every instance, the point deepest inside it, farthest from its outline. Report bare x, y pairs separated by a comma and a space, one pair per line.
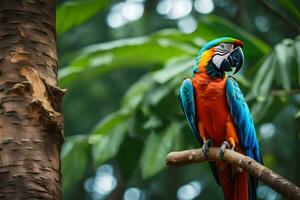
205, 58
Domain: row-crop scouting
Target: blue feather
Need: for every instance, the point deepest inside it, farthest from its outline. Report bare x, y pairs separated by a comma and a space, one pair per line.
243, 121
186, 97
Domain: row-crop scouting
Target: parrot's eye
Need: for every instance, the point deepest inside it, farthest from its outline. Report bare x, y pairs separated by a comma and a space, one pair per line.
222, 46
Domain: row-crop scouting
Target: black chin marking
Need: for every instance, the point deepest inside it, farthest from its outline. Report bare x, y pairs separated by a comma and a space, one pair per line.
213, 71
225, 65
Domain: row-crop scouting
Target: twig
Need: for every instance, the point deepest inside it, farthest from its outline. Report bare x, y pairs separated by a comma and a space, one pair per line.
264, 174
280, 15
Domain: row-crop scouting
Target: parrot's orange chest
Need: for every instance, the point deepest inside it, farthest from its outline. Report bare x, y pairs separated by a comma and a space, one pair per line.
211, 105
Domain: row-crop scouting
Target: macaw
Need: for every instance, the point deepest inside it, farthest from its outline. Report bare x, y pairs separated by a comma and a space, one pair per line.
218, 114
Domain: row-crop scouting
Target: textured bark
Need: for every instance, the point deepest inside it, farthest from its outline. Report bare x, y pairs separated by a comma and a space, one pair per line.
30, 101
264, 174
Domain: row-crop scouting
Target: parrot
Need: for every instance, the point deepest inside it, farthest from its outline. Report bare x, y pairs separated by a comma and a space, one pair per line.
218, 114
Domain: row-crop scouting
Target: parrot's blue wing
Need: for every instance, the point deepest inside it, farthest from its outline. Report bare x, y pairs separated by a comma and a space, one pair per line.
186, 98
245, 128
242, 118
187, 101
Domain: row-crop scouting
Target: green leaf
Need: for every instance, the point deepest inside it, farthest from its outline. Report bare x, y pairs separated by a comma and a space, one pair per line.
289, 6
156, 49
109, 122
74, 156
108, 135
276, 68
260, 108
284, 56
297, 55
73, 13
260, 76
159, 93
136, 93
152, 122
174, 67
156, 149
173, 34
211, 27
128, 155
163, 91
265, 85
297, 115
120, 54
106, 146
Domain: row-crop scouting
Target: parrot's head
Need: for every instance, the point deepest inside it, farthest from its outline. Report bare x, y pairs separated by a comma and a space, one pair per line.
219, 56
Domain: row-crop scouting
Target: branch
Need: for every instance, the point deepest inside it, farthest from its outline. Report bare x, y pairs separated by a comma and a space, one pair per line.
262, 173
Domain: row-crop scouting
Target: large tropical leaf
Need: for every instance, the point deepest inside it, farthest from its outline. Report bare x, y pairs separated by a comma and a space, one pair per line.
173, 68
74, 155
297, 55
292, 9
136, 93
156, 49
276, 70
73, 13
211, 27
106, 146
107, 137
121, 54
157, 147
110, 122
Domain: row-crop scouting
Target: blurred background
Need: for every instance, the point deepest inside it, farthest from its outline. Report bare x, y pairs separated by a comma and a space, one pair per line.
122, 62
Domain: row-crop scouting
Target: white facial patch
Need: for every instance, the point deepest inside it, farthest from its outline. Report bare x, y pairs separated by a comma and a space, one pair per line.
221, 52
218, 59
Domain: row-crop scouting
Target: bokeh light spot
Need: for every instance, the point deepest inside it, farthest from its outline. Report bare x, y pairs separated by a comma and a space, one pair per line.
104, 184
189, 191
164, 7
187, 25
132, 194
174, 9
267, 130
88, 184
204, 6
262, 23
125, 12
132, 11
115, 20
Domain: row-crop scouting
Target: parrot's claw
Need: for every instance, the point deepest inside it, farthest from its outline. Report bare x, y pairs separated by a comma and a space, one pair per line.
206, 145
232, 147
223, 147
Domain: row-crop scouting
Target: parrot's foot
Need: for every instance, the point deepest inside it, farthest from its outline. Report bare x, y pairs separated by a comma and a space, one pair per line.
208, 143
223, 147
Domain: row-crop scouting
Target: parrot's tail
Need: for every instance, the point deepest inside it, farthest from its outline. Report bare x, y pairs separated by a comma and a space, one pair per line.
234, 184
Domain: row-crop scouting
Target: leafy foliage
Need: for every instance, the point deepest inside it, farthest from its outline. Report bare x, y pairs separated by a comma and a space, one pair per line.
148, 122
75, 158
157, 146
290, 7
107, 137
150, 95
280, 70
73, 13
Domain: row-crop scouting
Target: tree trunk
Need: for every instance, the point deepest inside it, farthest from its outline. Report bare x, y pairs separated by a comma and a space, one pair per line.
30, 101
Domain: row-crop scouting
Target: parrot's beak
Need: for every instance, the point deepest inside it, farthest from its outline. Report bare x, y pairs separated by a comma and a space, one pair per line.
237, 57
234, 60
